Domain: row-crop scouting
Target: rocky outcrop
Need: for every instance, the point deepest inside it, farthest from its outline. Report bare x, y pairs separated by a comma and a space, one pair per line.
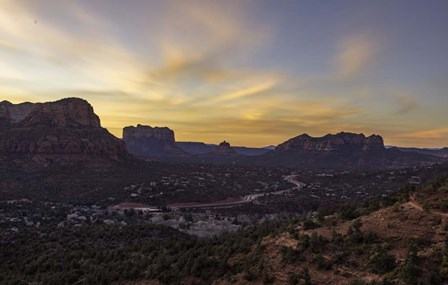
70, 112
64, 130
341, 151
333, 143
11, 113
148, 142
141, 131
224, 148
374, 142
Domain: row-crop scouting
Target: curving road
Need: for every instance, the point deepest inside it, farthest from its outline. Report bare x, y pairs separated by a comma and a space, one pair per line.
245, 199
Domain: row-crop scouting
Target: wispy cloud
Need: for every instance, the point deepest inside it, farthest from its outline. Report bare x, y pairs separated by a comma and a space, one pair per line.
427, 134
245, 92
406, 104
200, 67
355, 55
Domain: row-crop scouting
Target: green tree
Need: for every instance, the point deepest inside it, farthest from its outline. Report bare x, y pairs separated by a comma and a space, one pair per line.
354, 232
305, 275
380, 261
444, 267
410, 271
293, 279
316, 243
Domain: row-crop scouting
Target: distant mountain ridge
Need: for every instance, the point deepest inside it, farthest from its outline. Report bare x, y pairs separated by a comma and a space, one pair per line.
203, 148
333, 143
341, 151
442, 152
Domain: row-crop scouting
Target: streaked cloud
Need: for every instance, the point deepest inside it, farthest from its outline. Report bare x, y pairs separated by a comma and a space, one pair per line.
406, 104
427, 134
355, 55
245, 92
212, 69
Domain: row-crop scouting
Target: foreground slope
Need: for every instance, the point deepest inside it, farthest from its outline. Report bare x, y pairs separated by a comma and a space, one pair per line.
405, 242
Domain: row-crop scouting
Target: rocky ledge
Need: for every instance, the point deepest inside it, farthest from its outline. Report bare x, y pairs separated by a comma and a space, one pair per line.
224, 148
142, 131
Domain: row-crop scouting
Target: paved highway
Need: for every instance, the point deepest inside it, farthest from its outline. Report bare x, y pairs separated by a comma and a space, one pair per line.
246, 199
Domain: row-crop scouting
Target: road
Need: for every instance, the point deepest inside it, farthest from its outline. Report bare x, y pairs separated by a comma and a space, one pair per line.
290, 178
245, 199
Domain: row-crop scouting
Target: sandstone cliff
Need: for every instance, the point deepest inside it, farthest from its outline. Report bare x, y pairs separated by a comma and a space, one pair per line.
148, 142
64, 130
341, 151
333, 143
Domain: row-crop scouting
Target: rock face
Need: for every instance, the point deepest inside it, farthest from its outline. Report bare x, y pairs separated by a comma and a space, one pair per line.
224, 148
64, 130
341, 151
333, 143
148, 142
164, 134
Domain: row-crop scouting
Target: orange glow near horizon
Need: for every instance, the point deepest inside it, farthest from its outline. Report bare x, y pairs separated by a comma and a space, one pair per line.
254, 73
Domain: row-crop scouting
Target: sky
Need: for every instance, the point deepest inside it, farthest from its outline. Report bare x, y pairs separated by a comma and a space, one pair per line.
254, 73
